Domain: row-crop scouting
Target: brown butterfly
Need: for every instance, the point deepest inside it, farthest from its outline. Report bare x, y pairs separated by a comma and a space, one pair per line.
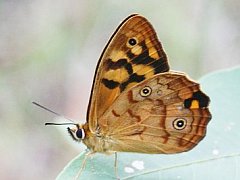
137, 104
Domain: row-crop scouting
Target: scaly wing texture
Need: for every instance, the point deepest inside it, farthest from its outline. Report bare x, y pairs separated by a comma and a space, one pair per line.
133, 54
167, 113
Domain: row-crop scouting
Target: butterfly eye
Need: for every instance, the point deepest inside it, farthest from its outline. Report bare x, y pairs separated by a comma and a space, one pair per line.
80, 134
146, 91
179, 124
132, 42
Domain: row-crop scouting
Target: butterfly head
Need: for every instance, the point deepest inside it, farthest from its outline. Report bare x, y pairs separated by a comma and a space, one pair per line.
77, 133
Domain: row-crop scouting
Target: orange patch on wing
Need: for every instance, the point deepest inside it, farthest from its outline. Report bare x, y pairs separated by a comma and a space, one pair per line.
143, 69
194, 104
151, 49
136, 50
131, 84
118, 75
116, 55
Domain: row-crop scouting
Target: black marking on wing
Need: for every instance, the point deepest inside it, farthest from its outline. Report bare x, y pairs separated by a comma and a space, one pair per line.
144, 57
159, 65
133, 78
115, 65
110, 83
202, 98
119, 64
130, 55
129, 68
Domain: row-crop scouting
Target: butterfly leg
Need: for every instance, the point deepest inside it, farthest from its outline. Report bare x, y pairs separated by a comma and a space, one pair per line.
83, 164
115, 166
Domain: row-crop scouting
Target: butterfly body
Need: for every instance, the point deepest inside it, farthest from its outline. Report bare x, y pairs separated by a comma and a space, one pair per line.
137, 104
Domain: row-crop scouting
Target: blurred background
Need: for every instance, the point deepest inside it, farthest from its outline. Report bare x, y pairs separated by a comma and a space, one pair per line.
49, 51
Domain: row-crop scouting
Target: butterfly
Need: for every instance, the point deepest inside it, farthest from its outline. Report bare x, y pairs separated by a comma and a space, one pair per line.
137, 104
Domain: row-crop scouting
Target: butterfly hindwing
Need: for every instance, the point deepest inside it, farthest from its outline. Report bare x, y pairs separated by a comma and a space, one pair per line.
132, 55
167, 113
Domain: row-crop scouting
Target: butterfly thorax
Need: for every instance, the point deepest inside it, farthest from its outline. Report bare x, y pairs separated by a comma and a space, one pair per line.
97, 142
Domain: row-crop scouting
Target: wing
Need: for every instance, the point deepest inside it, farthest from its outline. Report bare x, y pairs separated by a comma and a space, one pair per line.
167, 113
132, 55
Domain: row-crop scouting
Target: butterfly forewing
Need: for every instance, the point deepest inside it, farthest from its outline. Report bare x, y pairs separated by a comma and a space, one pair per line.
132, 55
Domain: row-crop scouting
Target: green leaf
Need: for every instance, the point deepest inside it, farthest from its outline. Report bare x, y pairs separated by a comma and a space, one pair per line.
216, 157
